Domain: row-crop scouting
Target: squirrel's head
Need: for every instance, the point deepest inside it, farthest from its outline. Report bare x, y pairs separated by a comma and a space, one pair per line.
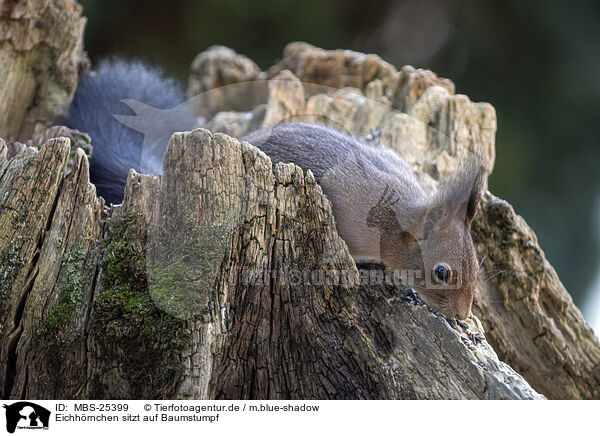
437, 251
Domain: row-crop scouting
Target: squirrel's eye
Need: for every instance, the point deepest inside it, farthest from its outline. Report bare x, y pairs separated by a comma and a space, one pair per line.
442, 272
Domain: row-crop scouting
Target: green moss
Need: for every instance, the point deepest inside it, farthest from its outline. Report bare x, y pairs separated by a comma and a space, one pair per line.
127, 323
73, 280
78, 140
184, 273
10, 265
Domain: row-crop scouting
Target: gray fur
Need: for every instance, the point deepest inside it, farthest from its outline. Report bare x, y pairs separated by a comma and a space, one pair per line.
350, 173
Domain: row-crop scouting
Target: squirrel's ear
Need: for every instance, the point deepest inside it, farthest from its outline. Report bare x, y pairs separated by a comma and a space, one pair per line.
457, 197
475, 196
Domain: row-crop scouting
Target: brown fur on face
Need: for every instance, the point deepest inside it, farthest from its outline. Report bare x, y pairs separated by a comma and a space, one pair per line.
439, 235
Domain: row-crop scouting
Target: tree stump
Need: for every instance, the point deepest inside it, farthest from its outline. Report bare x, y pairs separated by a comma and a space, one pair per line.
225, 277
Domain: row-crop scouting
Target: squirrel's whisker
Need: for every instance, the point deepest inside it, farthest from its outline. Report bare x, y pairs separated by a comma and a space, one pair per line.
491, 271
481, 263
494, 275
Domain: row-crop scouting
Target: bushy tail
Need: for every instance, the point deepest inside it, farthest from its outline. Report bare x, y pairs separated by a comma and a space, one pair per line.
98, 110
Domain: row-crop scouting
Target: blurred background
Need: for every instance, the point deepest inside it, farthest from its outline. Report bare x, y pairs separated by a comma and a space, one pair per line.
538, 63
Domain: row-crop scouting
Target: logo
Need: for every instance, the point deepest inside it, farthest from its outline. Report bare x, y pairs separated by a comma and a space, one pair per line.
26, 415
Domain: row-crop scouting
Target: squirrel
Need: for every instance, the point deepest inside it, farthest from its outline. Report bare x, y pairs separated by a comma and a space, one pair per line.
383, 214
380, 209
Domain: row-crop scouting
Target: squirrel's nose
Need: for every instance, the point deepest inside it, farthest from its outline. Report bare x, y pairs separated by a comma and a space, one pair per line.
463, 310
463, 314
463, 303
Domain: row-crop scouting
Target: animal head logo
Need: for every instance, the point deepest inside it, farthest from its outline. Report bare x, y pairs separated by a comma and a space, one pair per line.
26, 415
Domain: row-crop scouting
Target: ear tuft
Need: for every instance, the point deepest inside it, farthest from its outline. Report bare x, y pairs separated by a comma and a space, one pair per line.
475, 196
458, 196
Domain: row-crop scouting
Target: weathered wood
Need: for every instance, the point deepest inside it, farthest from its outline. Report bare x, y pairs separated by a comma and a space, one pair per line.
529, 316
41, 51
215, 79
49, 229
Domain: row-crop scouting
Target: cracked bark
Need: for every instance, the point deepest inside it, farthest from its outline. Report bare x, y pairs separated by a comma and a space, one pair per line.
550, 343
41, 50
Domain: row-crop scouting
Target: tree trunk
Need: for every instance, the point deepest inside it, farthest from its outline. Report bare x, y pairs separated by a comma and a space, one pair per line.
225, 277
41, 50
